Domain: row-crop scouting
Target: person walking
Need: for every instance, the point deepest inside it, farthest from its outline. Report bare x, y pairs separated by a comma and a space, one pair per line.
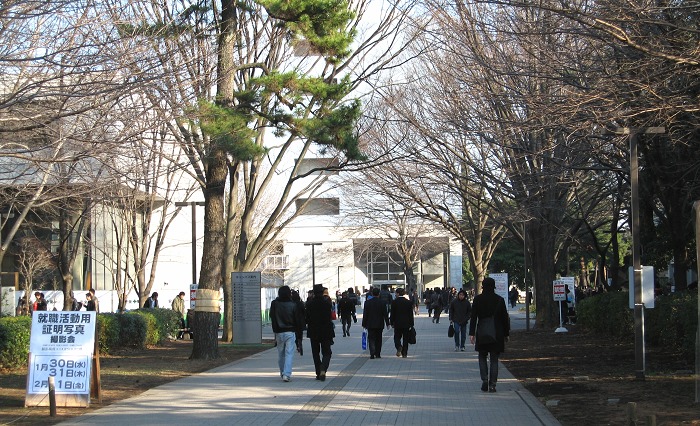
402, 320
459, 313
436, 303
416, 302
489, 307
347, 313
178, 306
320, 330
288, 325
374, 319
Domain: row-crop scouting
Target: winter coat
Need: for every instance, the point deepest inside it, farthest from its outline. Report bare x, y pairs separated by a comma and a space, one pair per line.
318, 319
374, 314
486, 304
460, 311
401, 313
287, 316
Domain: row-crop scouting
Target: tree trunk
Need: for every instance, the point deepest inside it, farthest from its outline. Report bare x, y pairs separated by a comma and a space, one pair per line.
542, 249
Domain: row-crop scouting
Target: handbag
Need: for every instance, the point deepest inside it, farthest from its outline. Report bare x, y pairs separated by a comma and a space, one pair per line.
334, 316
451, 331
411, 336
364, 339
486, 330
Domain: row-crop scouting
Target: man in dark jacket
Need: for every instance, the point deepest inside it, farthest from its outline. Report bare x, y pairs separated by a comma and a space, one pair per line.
374, 318
288, 324
460, 311
320, 330
488, 305
402, 320
347, 313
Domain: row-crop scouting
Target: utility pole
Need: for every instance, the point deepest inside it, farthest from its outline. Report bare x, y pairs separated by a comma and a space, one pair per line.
194, 205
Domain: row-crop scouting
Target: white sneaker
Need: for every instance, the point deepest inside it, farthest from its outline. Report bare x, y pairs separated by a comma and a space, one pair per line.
456, 348
286, 378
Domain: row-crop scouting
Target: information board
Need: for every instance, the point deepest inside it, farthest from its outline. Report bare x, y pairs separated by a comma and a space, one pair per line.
559, 291
61, 346
247, 315
501, 284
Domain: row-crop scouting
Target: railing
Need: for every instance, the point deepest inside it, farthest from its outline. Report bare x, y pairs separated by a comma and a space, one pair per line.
276, 261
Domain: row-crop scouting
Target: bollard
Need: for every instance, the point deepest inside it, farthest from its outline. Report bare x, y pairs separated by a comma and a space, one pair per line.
631, 413
52, 397
651, 420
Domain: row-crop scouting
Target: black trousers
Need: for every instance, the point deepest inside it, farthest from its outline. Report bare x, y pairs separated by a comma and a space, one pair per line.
488, 367
401, 340
374, 341
321, 348
346, 321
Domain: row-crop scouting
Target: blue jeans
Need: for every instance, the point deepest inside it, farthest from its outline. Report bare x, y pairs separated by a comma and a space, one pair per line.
286, 345
460, 334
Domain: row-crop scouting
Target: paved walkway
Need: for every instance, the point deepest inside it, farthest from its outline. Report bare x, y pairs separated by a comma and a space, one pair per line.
433, 386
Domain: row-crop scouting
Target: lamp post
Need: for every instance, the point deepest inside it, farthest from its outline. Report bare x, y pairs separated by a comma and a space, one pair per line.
527, 289
194, 205
313, 261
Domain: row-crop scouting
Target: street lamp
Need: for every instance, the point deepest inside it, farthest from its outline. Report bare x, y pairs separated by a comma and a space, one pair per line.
313, 261
194, 205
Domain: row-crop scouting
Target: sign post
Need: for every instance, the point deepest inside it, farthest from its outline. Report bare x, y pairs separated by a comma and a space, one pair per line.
61, 349
560, 296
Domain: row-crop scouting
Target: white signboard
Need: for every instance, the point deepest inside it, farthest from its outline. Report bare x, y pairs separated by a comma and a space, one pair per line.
501, 284
647, 287
62, 344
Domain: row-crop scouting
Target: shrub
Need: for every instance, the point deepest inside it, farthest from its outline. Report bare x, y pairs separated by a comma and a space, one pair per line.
607, 313
14, 341
108, 332
673, 322
132, 330
167, 324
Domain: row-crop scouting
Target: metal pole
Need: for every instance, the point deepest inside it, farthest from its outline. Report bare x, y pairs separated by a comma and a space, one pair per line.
194, 243
527, 289
339, 266
696, 205
639, 352
313, 261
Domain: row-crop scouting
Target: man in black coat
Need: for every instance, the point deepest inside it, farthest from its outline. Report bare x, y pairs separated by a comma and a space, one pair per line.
320, 330
402, 320
489, 305
346, 306
374, 317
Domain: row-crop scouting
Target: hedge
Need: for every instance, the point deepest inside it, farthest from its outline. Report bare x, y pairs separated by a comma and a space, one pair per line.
134, 329
14, 341
671, 323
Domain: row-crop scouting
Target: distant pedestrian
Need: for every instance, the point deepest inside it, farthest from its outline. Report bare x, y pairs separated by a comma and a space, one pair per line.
320, 330
288, 320
415, 300
90, 304
39, 302
346, 306
436, 304
402, 320
460, 311
374, 319
428, 296
74, 304
178, 306
513, 296
489, 306
95, 300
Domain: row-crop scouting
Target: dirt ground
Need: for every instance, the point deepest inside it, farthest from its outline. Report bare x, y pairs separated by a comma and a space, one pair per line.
591, 377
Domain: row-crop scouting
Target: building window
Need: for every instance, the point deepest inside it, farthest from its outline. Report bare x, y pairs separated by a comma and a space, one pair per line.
307, 165
318, 206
